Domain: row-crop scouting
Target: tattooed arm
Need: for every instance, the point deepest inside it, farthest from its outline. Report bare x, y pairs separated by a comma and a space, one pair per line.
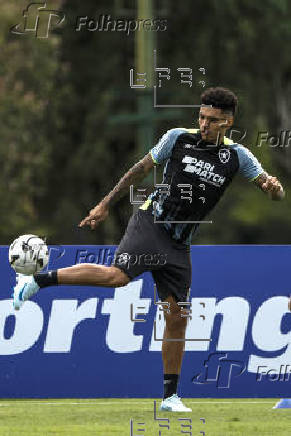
135, 174
271, 186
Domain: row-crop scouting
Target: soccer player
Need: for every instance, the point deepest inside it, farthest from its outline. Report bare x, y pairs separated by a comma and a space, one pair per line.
199, 166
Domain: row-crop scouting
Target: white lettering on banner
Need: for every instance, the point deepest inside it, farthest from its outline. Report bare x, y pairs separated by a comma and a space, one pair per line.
28, 327
158, 326
119, 336
64, 318
66, 315
203, 325
267, 335
235, 311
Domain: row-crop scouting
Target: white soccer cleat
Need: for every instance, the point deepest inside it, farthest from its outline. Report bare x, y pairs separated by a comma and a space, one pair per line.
25, 287
174, 404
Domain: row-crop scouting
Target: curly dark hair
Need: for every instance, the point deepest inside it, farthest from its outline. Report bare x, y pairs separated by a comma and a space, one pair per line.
220, 98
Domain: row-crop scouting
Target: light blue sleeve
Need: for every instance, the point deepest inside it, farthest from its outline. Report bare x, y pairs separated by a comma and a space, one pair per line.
249, 166
164, 147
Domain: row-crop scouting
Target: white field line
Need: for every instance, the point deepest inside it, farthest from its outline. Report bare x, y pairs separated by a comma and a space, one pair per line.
96, 403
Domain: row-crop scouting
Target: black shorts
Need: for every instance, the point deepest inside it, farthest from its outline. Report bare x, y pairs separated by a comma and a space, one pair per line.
146, 246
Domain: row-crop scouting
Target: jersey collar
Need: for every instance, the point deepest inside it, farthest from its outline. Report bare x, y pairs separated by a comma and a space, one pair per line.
226, 141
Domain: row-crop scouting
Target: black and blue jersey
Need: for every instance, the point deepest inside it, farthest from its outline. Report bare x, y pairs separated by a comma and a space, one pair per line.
196, 174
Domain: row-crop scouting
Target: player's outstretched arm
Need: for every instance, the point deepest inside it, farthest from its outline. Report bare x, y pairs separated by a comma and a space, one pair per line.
137, 173
271, 186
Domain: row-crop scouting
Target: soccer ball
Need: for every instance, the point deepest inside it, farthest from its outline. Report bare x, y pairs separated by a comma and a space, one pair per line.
28, 254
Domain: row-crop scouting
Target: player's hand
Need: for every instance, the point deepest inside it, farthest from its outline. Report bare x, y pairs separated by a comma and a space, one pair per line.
289, 303
96, 215
273, 187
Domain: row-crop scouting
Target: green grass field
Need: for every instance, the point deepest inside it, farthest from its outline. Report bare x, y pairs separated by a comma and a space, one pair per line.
106, 417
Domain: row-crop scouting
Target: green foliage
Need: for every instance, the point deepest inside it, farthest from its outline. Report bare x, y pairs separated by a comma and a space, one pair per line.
59, 153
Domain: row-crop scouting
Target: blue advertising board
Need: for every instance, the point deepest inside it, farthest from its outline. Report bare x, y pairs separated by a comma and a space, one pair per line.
74, 341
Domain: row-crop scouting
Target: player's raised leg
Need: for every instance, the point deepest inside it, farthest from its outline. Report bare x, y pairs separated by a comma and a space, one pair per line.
85, 274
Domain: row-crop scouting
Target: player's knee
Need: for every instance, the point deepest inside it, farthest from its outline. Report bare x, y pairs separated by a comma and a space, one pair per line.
175, 321
117, 277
